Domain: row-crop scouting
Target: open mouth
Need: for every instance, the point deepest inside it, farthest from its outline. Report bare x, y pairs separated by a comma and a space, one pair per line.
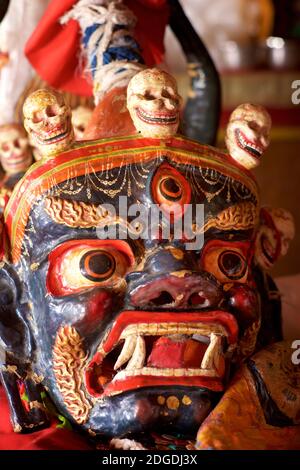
150, 349
15, 160
245, 144
158, 118
55, 136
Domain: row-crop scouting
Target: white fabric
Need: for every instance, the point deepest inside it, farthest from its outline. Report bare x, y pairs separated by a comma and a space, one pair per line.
107, 14
18, 24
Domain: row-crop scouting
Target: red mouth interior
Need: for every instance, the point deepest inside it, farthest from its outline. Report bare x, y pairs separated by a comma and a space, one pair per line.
166, 352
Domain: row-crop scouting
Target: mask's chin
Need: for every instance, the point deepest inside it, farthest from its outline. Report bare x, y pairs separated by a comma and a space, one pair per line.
174, 410
160, 369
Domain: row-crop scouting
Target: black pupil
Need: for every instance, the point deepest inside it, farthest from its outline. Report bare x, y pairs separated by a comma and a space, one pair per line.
232, 264
170, 189
97, 266
100, 264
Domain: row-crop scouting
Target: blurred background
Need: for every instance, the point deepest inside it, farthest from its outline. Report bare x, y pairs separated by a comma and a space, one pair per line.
256, 47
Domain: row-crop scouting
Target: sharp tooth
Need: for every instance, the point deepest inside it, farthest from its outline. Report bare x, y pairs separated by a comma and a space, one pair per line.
139, 355
127, 351
212, 350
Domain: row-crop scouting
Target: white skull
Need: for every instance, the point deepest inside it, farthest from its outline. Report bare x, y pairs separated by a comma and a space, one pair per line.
15, 154
154, 103
276, 231
80, 119
248, 134
47, 120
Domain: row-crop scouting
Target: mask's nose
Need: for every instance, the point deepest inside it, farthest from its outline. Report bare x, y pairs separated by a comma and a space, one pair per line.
171, 279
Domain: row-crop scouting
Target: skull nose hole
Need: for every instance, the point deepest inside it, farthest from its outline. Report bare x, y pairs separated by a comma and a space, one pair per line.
163, 298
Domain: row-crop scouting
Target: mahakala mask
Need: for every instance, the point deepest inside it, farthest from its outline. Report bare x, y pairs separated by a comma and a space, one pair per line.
47, 120
132, 333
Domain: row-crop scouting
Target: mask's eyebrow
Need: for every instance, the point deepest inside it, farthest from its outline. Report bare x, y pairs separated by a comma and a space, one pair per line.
76, 214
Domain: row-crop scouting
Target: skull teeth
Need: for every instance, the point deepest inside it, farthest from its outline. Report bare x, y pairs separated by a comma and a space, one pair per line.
247, 145
157, 119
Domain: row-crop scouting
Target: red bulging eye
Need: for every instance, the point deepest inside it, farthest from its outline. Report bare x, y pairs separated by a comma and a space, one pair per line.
232, 264
228, 261
80, 265
170, 190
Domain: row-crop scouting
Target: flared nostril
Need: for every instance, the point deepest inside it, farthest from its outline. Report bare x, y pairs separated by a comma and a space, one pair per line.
198, 299
164, 298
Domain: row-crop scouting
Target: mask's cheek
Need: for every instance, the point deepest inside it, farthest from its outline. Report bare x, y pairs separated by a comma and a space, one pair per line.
243, 301
99, 309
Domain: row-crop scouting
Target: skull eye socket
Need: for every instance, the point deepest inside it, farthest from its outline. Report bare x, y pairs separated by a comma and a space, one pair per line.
169, 94
5, 147
232, 264
149, 96
52, 111
253, 125
37, 117
97, 265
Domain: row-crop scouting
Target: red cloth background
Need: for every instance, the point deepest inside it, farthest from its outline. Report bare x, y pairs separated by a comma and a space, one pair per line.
53, 49
52, 438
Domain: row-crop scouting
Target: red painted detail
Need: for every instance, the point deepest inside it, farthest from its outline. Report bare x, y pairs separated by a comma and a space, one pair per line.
133, 383
244, 246
55, 283
174, 209
91, 376
170, 354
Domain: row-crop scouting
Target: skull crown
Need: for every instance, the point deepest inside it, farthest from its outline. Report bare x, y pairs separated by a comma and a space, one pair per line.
248, 134
275, 233
47, 119
80, 119
15, 152
154, 103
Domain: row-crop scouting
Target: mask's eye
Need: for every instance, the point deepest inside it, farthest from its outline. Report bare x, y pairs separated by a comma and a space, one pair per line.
232, 264
97, 265
170, 190
76, 266
227, 263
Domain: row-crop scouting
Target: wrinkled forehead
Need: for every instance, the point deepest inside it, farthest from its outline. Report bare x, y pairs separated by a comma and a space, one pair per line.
59, 199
